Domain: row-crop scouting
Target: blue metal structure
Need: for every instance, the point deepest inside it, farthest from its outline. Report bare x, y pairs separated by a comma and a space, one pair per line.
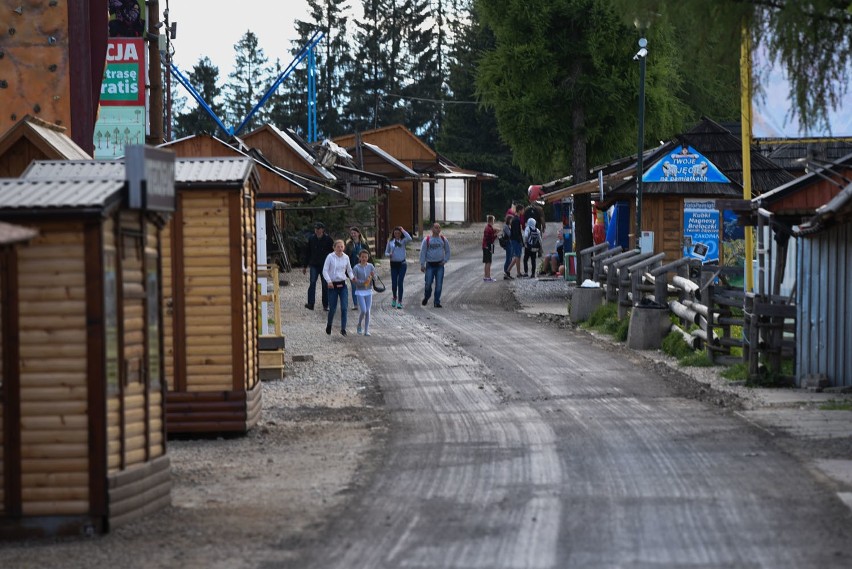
306, 51
312, 97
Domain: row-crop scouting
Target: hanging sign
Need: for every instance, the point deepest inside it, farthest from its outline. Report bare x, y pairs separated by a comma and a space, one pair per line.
701, 230
685, 164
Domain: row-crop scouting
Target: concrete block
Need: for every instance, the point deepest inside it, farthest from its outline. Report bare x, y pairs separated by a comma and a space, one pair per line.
648, 327
583, 302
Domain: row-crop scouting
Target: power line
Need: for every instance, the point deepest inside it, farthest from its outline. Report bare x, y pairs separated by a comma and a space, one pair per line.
441, 101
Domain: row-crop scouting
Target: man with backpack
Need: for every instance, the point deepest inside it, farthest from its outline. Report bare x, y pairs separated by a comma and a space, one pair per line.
532, 245
434, 254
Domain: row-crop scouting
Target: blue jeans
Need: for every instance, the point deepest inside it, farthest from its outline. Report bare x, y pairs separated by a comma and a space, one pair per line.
508, 258
436, 273
398, 271
312, 287
336, 295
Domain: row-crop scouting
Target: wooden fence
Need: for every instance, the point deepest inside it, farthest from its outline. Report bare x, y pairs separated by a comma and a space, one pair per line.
711, 315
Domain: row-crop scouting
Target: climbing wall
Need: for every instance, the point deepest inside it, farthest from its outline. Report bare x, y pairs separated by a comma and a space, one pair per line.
34, 62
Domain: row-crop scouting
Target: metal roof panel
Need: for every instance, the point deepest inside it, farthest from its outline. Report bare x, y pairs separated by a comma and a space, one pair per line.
22, 194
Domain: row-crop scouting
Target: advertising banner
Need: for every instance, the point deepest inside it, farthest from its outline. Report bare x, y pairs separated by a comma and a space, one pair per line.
701, 230
684, 164
122, 116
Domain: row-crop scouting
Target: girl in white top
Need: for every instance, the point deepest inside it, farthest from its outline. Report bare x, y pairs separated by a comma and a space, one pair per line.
335, 271
362, 284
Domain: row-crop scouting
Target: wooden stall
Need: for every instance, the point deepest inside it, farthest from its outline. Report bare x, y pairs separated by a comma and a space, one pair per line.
209, 291
84, 445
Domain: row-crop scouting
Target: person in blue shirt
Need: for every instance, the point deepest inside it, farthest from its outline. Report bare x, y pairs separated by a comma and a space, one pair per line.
395, 252
434, 254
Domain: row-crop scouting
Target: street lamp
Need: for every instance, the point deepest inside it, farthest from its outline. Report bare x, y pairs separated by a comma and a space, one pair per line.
641, 56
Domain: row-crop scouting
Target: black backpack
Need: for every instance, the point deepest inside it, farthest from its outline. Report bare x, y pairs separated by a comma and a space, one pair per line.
503, 240
534, 241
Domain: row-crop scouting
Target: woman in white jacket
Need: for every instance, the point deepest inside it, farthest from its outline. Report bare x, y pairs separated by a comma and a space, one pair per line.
335, 271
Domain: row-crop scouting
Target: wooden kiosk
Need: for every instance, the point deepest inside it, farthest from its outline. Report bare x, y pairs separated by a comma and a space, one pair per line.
210, 304
210, 291
81, 385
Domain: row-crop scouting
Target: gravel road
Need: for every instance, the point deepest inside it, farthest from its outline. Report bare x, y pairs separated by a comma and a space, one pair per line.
465, 449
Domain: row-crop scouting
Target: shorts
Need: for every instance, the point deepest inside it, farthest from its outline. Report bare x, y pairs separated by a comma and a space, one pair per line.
516, 248
486, 255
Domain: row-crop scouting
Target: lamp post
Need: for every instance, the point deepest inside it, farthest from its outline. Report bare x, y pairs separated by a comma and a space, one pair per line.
641, 56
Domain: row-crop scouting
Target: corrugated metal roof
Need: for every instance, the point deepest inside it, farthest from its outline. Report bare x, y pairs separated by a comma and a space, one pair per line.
15, 233
380, 152
20, 194
194, 171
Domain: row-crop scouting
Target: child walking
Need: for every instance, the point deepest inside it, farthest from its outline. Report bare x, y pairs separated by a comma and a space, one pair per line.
364, 272
395, 251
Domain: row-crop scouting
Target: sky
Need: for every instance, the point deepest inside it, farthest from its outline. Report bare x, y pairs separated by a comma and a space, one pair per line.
204, 28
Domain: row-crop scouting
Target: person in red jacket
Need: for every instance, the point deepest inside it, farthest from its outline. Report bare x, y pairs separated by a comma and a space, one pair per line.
489, 235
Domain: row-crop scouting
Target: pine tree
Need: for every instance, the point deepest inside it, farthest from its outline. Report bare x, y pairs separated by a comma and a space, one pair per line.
248, 82
469, 134
368, 85
204, 77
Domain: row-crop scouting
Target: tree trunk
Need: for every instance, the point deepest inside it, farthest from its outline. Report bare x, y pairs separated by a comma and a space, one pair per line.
582, 202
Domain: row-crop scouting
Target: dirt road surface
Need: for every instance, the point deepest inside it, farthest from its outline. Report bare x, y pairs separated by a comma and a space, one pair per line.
475, 436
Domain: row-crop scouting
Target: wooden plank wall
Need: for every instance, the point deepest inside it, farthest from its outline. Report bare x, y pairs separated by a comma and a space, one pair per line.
2, 396
168, 296
663, 216
113, 421
250, 306
156, 442
54, 423
207, 290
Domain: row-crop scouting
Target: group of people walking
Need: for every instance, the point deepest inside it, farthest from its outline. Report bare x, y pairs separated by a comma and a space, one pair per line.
522, 233
334, 262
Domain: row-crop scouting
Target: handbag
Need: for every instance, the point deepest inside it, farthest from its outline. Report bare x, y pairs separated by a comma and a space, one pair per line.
378, 285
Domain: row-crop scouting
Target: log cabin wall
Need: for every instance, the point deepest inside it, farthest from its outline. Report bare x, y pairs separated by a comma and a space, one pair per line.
54, 467
210, 308
5, 260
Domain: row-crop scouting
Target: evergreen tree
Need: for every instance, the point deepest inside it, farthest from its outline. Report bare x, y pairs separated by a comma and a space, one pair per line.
810, 38
420, 79
204, 77
561, 83
288, 106
367, 79
248, 82
333, 61
469, 134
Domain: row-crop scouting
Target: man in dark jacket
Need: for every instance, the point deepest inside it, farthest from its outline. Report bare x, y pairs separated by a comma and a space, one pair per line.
318, 248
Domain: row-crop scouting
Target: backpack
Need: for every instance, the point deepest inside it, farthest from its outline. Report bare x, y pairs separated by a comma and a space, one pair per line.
503, 240
534, 241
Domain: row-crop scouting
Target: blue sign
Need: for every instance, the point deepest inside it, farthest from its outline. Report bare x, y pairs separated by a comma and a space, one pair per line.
685, 164
701, 230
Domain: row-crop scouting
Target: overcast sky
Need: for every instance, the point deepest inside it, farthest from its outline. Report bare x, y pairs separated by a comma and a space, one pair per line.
211, 29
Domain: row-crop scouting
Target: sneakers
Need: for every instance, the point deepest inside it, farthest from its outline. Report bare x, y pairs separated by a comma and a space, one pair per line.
425, 301
342, 332
354, 308
328, 329
399, 305
366, 333
438, 305
359, 330
393, 303
508, 277
309, 306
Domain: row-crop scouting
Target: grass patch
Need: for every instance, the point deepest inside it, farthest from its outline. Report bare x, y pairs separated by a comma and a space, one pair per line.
836, 406
674, 345
736, 372
696, 359
605, 319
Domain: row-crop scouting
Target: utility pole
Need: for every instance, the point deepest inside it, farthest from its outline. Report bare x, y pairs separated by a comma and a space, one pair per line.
155, 75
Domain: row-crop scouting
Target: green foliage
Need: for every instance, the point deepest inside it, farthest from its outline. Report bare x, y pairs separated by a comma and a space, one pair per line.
604, 313
675, 346
696, 359
810, 38
204, 77
247, 82
836, 406
736, 372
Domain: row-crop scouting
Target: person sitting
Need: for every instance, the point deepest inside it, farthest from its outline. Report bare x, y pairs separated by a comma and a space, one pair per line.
552, 261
